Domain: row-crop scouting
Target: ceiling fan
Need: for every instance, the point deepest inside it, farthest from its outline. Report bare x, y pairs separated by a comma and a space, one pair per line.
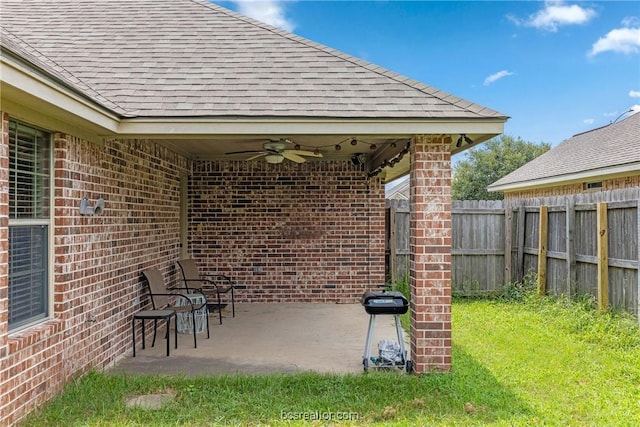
276, 151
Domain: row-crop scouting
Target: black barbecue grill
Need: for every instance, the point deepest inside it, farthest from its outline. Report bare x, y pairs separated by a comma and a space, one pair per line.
385, 303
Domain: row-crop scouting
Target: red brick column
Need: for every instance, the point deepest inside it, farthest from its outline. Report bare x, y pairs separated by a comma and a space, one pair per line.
430, 248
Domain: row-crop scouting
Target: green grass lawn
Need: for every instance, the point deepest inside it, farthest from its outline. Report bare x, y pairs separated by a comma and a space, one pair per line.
533, 363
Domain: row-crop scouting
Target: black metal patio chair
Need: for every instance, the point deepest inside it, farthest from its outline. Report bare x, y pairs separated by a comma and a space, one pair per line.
210, 285
163, 298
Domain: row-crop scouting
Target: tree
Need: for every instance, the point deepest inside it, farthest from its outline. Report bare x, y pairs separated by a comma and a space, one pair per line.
488, 163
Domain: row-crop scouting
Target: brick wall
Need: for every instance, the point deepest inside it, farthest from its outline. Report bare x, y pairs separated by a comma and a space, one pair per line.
564, 190
97, 263
430, 248
311, 232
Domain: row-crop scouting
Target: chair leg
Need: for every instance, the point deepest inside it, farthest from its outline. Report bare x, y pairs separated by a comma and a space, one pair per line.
168, 327
219, 306
233, 303
155, 329
193, 319
175, 330
133, 334
206, 308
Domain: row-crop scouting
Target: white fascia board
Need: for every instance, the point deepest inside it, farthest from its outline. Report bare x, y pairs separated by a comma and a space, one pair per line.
590, 175
28, 81
192, 127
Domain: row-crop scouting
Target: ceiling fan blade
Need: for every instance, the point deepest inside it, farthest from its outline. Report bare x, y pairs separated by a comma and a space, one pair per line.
304, 153
245, 152
257, 156
288, 154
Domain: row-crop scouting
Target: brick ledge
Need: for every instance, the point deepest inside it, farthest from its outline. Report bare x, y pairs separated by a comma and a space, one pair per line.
33, 334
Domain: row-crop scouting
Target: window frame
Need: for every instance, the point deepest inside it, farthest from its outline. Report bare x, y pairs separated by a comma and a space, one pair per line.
46, 221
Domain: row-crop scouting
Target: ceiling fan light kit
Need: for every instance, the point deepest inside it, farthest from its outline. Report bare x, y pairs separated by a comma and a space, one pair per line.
274, 158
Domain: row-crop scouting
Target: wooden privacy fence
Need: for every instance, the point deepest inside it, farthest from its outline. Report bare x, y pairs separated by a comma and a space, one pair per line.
582, 244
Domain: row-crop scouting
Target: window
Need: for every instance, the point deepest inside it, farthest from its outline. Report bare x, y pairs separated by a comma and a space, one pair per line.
592, 185
29, 207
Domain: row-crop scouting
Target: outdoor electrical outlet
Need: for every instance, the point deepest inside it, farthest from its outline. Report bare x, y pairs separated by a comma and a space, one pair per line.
257, 269
136, 301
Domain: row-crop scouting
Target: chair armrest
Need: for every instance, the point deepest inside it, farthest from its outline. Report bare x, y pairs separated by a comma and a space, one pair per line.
201, 281
219, 277
177, 295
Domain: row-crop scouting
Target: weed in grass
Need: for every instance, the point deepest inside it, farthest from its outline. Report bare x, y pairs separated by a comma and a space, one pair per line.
519, 291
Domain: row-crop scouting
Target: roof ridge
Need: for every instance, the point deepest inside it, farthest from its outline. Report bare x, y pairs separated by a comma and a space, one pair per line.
65, 76
382, 71
613, 123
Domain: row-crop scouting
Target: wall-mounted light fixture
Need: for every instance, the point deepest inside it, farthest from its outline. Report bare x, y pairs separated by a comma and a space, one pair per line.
87, 209
464, 138
358, 159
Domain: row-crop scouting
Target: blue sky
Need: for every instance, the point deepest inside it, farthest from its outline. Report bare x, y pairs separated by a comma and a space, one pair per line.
556, 68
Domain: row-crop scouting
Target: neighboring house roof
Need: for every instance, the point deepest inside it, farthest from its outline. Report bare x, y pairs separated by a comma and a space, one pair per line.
191, 58
611, 150
399, 191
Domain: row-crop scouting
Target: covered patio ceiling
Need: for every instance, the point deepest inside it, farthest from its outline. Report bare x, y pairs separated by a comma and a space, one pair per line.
381, 140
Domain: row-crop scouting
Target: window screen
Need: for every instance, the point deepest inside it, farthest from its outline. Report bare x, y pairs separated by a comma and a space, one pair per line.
27, 274
29, 190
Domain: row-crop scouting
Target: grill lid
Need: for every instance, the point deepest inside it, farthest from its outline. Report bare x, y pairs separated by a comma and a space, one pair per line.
383, 302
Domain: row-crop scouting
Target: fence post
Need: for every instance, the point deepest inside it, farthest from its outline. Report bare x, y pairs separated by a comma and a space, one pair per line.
603, 256
542, 250
392, 243
570, 243
521, 231
508, 225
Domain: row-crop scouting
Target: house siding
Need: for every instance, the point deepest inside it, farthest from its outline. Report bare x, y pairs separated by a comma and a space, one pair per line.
578, 188
311, 232
97, 263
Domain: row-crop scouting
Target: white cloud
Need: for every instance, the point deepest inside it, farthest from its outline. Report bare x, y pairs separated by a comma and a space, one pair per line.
631, 21
634, 93
635, 108
497, 76
588, 121
622, 40
556, 14
270, 12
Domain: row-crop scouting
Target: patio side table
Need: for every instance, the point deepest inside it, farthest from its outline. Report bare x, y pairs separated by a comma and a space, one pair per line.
184, 322
154, 315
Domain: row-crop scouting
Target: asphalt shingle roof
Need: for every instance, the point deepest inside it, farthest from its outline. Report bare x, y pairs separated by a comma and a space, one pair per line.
151, 58
612, 145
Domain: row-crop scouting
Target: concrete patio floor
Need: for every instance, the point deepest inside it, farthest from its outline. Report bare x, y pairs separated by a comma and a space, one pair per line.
268, 338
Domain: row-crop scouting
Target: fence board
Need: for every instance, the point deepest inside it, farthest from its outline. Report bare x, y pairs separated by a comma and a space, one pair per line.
481, 235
